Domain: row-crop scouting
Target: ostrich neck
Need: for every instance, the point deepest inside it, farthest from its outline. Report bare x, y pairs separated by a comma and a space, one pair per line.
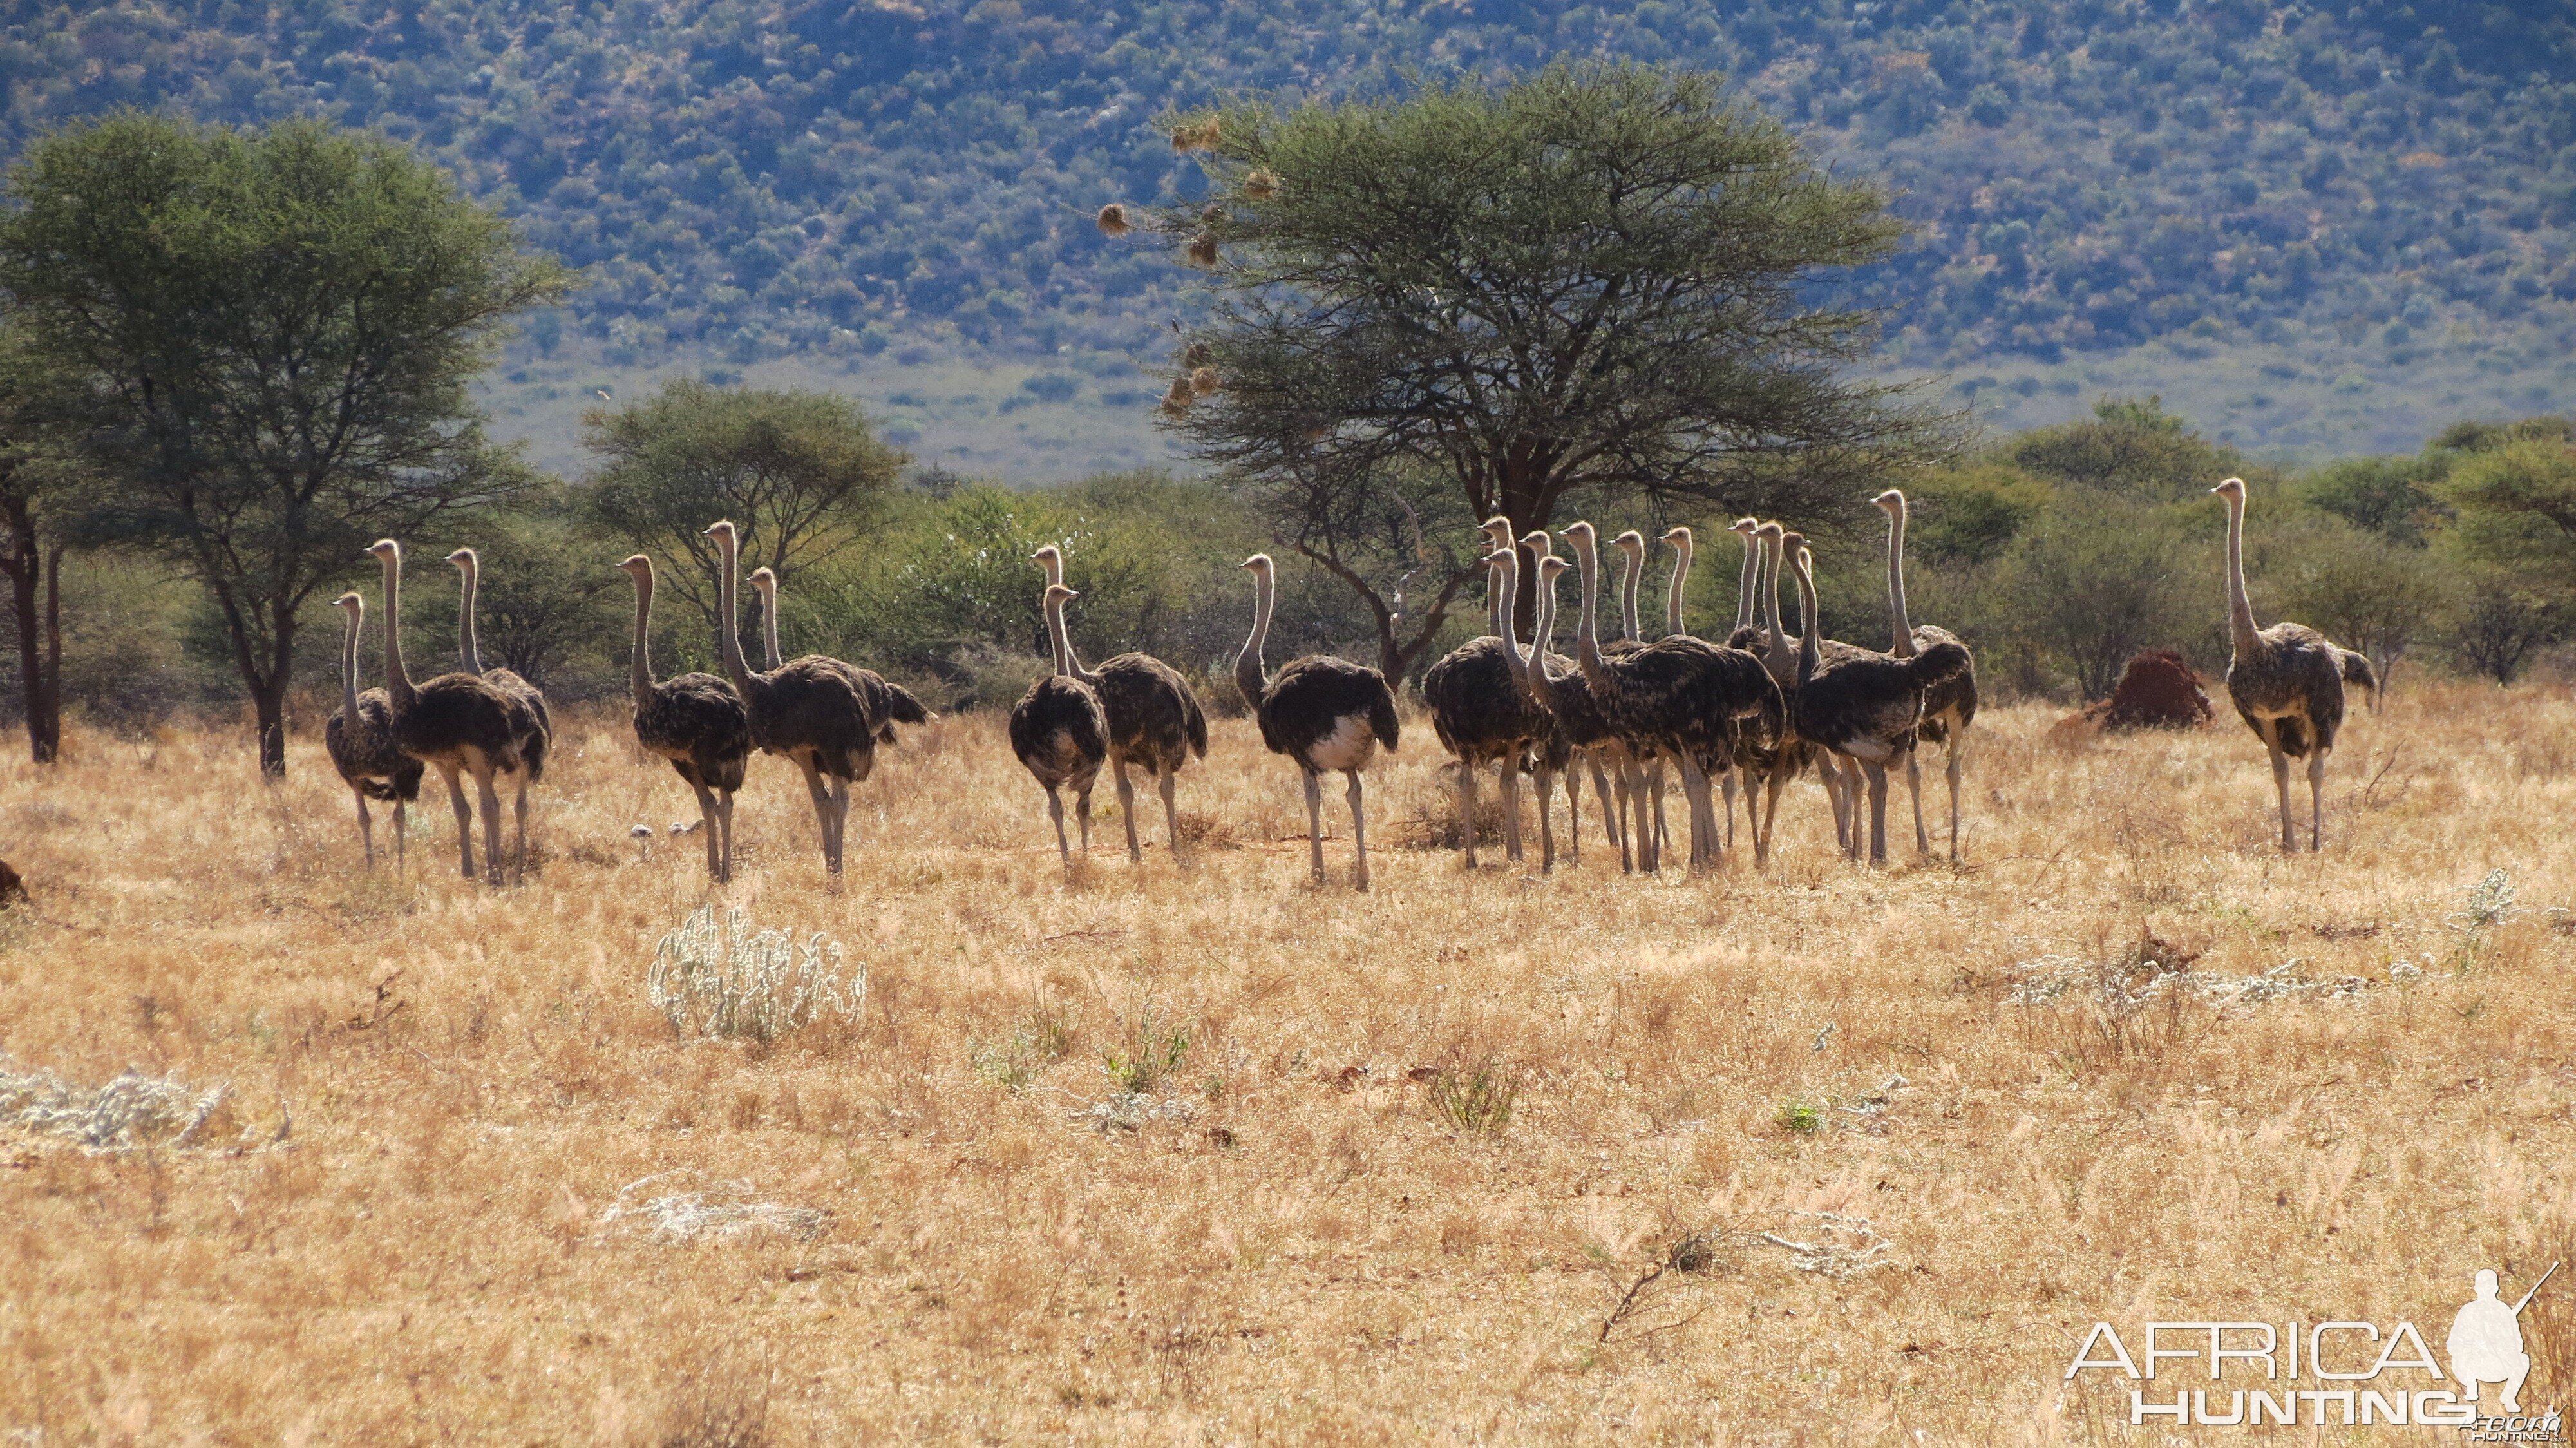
1632, 572
1807, 646
349, 670
1587, 647
1497, 602
1896, 583
466, 652
641, 667
1542, 635
1681, 580
1247, 664
1062, 640
769, 627
728, 644
2240, 610
1744, 584
1508, 571
397, 682
1770, 586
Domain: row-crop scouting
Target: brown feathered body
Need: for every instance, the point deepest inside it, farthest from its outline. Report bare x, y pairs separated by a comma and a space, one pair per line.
1153, 718
1060, 733
1869, 705
456, 715
1328, 714
528, 719
699, 723
822, 712
2296, 681
1950, 705
364, 751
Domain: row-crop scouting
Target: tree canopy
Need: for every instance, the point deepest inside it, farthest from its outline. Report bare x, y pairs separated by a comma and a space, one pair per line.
276, 329
1606, 279
801, 474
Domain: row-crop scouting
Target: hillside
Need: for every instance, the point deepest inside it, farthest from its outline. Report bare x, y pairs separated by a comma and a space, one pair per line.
2307, 228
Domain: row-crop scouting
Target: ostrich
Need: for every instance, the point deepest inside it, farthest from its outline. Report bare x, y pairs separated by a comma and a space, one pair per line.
1155, 721
1322, 712
1560, 686
1482, 715
813, 710
1747, 633
528, 716
1685, 548
1859, 704
2287, 681
696, 721
360, 738
1059, 730
456, 723
891, 702
1641, 776
1950, 708
1683, 696
1795, 752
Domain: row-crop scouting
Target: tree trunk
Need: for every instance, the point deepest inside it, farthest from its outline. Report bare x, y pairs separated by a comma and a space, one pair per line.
39, 687
45, 700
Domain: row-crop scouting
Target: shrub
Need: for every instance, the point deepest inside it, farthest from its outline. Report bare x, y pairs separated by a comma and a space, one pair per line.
723, 978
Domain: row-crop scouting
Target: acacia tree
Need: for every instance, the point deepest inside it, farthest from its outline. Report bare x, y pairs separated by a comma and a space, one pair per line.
801, 474
37, 477
1597, 278
277, 328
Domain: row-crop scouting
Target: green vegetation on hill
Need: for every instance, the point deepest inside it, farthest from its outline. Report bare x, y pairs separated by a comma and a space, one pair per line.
2359, 191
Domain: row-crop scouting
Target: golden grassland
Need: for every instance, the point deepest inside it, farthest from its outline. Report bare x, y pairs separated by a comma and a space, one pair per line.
1340, 1235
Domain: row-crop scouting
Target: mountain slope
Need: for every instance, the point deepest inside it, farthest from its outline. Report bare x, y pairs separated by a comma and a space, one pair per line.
2364, 191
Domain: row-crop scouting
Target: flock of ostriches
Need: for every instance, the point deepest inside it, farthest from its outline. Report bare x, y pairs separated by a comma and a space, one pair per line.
1753, 712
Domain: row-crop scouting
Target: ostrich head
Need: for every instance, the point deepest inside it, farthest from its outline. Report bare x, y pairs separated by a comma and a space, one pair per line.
765, 582
386, 550
1890, 502
1746, 527
1676, 537
1632, 543
638, 567
1793, 546
1768, 531
1549, 568
1539, 544
1047, 556
352, 605
465, 560
1578, 533
2233, 490
723, 532
1259, 563
1057, 593
1498, 531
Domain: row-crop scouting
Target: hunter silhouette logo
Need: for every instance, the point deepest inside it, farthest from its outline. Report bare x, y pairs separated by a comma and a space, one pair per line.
2486, 1341
2343, 1372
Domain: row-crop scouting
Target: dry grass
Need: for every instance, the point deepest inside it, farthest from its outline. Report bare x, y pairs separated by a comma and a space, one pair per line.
1884, 1195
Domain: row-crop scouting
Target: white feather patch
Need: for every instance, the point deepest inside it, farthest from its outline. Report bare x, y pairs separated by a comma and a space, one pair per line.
1351, 745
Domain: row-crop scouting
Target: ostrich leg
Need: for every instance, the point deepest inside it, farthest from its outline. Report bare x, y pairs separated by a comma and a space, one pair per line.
724, 803
1877, 774
1914, 787
464, 818
1512, 809
1950, 767
2281, 783
1467, 809
715, 832
1055, 811
1728, 785
2316, 799
521, 874
1082, 815
840, 820
1127, 807
1315, 821
402, 841
1167, 781
1546, 778
1359, 828
490, 796
822, 798
366, 827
